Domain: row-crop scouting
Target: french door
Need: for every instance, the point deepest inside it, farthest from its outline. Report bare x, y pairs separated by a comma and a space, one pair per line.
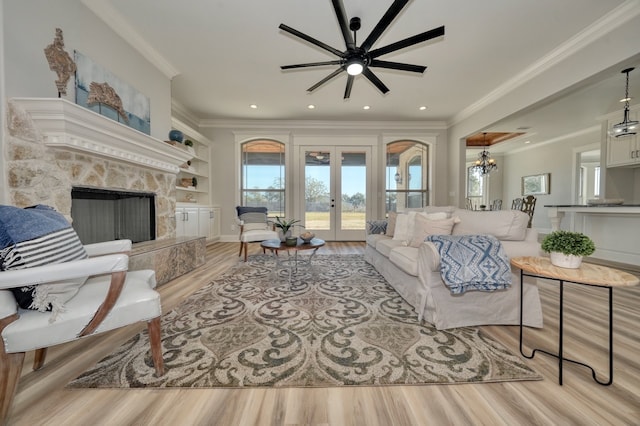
334, 191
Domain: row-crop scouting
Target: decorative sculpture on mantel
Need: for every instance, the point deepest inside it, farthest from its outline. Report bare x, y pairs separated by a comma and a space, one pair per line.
60, 62
103, 93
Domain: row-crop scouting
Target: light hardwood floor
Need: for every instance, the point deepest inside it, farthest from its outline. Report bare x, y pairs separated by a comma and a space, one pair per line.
43, 400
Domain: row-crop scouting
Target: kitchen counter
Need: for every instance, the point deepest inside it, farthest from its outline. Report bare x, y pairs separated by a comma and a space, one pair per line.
614, 228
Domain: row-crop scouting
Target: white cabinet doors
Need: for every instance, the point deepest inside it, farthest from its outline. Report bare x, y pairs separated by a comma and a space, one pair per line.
186, 222
205, 219
198, 222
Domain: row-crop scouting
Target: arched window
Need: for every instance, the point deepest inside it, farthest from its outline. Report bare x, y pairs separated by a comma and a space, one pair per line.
407, 175
263, 175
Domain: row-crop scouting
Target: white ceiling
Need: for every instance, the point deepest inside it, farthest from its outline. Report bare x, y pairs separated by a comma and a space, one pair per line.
224, 55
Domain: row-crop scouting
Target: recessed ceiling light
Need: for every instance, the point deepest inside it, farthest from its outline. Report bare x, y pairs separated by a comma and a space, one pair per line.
422, 108
366, 107
253, 106
527, 142
311, 106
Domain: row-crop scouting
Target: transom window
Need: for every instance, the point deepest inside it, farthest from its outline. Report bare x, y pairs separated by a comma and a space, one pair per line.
407, 177
263, 175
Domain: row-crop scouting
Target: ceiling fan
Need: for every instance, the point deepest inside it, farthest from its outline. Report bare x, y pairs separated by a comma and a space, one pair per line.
356, 60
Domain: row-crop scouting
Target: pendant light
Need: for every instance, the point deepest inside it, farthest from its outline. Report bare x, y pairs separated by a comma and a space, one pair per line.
485, 164
626, 127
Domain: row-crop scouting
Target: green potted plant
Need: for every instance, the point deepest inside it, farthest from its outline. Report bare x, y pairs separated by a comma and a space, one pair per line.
566, 249
284, 227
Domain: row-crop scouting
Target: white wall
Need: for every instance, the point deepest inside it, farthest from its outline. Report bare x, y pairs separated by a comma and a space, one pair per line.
556, 158
29, 26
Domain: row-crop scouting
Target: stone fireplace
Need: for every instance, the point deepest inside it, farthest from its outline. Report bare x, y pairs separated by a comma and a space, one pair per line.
54, 145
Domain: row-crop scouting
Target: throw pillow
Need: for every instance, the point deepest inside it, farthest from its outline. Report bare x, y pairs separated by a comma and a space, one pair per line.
37, 236
435, 216
245, 209
425, 226
376, 227
254, 221
391, 225
404, 227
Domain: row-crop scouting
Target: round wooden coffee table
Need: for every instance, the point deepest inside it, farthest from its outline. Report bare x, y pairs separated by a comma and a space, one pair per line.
291, 261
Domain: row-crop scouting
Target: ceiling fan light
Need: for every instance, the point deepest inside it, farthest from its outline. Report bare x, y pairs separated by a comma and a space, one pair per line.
354, 67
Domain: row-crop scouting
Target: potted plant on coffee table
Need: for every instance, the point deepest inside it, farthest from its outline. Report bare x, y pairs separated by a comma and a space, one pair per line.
566, 249
284, 228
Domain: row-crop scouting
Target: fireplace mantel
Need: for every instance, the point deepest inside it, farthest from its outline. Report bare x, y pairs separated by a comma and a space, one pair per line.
65, 125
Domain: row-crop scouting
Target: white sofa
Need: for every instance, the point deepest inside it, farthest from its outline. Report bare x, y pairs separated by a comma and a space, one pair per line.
415, 272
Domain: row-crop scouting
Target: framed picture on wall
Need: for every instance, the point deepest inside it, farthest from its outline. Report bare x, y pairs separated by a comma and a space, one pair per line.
536, 184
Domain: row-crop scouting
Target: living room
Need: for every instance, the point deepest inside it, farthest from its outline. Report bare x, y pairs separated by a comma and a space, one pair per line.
25, 74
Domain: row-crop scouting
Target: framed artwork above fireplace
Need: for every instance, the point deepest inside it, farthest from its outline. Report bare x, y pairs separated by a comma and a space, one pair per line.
99, 90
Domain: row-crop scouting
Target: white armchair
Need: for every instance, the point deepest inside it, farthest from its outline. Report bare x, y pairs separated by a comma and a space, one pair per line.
112, 297
254, 227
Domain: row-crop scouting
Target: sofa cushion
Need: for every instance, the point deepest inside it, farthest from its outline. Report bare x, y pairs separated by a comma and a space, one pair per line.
405, 258
385, 245
372, 239
424, 226
37, 236
507, 225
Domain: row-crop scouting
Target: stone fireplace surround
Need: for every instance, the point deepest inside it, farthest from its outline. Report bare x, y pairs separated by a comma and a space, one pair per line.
52, 145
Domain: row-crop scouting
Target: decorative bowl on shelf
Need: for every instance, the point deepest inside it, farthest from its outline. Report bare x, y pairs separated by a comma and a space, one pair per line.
306, 237
176, 135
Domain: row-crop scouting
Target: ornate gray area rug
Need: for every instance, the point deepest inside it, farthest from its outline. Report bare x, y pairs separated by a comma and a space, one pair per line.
337, 323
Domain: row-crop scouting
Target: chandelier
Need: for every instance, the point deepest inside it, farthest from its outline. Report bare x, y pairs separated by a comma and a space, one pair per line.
485, 164
627, 127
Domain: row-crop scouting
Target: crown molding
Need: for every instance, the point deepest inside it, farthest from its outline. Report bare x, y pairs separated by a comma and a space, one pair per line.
557, 139
612, 20
324, 124
114, 20
68, 126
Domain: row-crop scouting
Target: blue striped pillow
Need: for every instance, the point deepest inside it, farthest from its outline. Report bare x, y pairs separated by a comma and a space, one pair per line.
37, 236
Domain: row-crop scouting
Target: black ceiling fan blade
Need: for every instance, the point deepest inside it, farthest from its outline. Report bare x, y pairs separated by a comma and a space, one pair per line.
324, 80
310, 64
410, 41
310, 39
384, 22
338, 6
397, 66
347, 89
375, 80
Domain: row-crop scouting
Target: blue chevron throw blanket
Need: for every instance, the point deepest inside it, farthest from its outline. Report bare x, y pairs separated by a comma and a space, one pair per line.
472, 262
